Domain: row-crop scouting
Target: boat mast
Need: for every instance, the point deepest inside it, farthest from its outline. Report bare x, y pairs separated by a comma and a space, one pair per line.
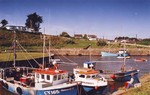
14, 48
49, 50
43, 50
90, 51
124, 58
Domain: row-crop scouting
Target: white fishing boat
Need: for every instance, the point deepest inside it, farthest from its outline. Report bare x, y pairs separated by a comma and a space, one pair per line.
36, 81
90, 79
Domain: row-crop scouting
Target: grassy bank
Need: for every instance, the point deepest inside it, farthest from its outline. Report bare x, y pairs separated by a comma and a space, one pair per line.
143, 90
20, 56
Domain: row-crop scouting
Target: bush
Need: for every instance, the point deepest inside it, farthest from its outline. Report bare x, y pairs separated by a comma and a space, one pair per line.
69, 41
101, 43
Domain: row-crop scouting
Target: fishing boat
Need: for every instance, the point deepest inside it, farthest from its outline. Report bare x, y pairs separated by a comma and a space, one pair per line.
90, 79
36, 81
120, 54
124, 74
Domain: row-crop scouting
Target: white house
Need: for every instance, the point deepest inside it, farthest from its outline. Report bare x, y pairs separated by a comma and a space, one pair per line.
19, 28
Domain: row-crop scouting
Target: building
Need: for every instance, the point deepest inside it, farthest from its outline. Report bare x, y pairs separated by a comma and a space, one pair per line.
78, 36
92, 37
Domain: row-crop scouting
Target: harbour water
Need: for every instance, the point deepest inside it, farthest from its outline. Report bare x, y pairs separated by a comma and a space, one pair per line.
110, 64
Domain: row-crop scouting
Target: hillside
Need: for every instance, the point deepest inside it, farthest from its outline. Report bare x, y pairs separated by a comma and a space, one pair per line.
25, 39
34, 42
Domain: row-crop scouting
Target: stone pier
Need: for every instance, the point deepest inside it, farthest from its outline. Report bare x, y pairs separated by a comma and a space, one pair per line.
97, 51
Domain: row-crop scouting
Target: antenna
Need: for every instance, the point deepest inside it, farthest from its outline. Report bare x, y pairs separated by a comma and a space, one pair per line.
49, 50
124, 59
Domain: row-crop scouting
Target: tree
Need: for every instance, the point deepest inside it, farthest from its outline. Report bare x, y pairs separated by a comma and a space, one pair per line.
64, 34
101, 43
33, 21
85, 36
4, 22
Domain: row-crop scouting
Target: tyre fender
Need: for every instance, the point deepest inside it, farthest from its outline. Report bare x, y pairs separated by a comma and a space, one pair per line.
2, 83
19, 90
6, 85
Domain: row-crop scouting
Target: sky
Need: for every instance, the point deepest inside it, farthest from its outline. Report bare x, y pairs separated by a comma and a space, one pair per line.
104, 18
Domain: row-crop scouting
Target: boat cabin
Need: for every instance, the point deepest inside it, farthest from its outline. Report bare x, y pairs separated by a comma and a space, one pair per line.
85, 73
89, 64
50, 76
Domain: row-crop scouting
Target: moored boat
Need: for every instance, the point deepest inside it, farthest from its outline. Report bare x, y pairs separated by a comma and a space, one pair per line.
123, 54
108, 54
120, 54
37, 81
90, 79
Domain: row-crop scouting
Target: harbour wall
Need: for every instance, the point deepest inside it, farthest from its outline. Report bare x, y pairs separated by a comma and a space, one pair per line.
97, 51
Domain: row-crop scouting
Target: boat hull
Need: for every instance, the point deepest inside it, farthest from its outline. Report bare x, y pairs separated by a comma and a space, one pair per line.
108, 54
125, 76
63, 91
67, 90
96, 90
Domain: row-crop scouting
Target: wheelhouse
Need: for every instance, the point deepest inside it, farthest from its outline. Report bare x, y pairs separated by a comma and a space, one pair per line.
51, 76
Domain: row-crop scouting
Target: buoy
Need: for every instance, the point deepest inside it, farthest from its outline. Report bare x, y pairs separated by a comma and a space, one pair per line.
2, 83
19, 90
96, 87
6, 85
112, 76
126, 84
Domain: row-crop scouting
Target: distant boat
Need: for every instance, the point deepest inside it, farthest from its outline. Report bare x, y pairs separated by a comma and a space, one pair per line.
123, 54
108, 54
119, 54
140, 59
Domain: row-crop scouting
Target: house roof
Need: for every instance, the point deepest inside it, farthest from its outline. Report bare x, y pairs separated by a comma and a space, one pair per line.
77, 35
92, 36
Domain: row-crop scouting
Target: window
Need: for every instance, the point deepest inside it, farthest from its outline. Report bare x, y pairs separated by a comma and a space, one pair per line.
82, 76
37, 75
55, 77
59, 77
88, 76
63, 76
42, 76
48, 77
93, 76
